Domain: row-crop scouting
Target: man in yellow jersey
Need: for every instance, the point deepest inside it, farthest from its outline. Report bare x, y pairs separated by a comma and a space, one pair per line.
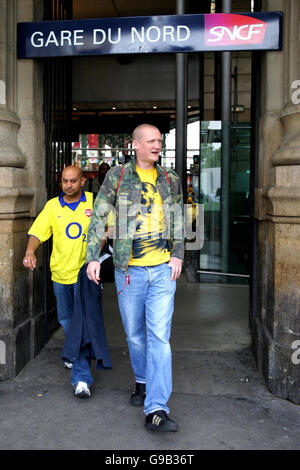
148, 261
67, 218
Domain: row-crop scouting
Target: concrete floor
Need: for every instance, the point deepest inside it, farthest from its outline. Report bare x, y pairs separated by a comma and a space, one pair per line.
219, 399
206, 317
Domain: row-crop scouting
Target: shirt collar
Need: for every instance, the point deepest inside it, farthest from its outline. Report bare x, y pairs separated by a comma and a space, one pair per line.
64, 203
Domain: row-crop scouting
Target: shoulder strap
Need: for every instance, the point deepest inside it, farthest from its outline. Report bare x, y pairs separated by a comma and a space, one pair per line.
120, 177
166, 175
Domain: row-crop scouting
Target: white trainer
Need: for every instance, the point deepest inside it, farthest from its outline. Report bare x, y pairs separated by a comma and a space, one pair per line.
81, 390
68, 365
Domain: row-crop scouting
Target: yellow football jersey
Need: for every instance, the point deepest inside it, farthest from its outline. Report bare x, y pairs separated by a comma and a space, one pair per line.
150, 244
69, 229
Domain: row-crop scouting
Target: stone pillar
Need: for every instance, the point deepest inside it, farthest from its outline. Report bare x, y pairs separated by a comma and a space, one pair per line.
276, 322
21, 148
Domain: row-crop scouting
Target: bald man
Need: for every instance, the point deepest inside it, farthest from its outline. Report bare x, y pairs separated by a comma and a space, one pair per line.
67, 218
148, 261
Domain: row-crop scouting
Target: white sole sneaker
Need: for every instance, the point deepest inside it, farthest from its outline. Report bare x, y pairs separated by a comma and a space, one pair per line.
68, 365
81, 390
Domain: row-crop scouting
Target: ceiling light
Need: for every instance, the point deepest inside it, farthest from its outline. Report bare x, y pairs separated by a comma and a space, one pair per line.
239, 108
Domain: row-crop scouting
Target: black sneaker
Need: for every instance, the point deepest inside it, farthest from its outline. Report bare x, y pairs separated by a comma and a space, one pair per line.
159, 421
138, 396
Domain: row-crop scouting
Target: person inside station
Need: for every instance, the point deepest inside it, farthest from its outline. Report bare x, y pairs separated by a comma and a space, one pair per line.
97, 182
193, 202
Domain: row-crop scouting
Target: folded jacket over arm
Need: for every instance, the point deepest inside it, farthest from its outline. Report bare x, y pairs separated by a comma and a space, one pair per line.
87, 326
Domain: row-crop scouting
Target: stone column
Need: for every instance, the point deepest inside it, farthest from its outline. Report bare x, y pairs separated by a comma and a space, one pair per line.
276, 323
20, 136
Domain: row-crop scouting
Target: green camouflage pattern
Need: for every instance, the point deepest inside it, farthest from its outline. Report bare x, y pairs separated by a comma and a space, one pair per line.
125, 202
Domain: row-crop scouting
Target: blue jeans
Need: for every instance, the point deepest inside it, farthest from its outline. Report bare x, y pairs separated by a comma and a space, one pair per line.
65, 298
146, 305
81, 369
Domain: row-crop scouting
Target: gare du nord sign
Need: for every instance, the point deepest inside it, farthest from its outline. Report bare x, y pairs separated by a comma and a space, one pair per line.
154, 34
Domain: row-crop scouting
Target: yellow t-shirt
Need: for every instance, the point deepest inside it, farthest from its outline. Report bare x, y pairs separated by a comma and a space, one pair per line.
150, 244
69, 229
110, 219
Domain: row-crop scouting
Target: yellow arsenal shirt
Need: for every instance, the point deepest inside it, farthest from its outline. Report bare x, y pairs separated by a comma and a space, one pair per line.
69, 226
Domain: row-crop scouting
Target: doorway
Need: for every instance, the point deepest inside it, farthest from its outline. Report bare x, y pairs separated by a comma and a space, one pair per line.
92, 104
110, 96
106, 111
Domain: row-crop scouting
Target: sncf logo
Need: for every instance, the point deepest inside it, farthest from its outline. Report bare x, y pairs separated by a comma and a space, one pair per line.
227, 29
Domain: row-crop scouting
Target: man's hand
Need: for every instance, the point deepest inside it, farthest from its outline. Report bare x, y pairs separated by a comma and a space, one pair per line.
93, 271
176, 265
29, 261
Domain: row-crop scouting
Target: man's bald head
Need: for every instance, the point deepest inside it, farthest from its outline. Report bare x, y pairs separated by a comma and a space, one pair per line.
147, 142
72, 182
139, 131
74, 169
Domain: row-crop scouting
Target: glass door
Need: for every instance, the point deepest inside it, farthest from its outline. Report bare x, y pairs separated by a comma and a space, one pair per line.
210, 193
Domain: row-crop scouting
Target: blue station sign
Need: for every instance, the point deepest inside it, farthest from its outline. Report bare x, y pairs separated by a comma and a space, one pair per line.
153, 34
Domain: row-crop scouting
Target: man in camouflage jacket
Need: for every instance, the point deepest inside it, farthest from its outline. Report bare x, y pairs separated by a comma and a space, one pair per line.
148, 261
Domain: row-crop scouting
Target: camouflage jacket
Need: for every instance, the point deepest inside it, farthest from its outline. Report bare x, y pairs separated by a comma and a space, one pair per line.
122, 195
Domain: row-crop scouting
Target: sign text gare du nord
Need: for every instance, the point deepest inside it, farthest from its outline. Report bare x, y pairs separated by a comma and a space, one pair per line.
153, 34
